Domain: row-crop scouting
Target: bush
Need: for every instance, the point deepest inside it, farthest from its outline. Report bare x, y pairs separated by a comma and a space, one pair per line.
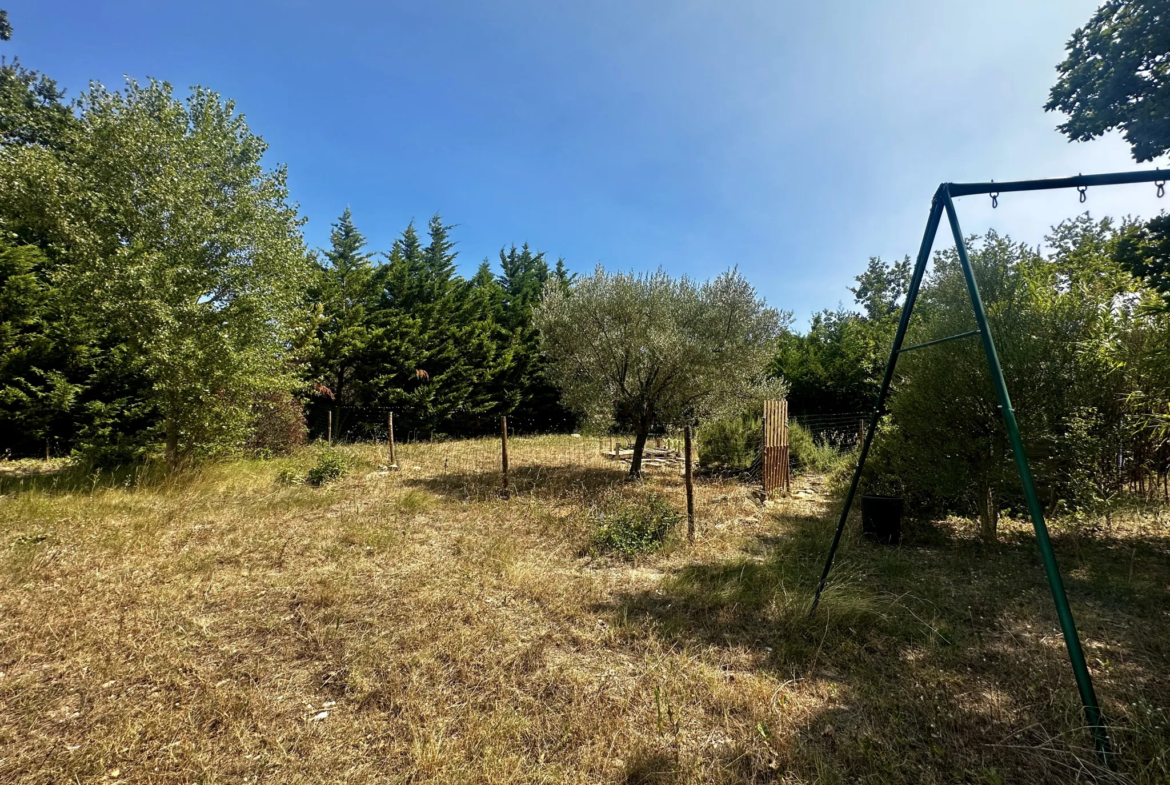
278, 424
809, 455
330, 466
732, 444
634, 529
289, 476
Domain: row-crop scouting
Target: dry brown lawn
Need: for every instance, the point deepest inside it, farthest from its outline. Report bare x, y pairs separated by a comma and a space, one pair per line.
225, 627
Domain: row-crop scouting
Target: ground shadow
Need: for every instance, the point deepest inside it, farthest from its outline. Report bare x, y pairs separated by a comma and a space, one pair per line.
539, 482
74, 477
942, 651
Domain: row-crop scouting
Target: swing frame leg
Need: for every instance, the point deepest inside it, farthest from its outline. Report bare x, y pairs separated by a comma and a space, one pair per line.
943, 202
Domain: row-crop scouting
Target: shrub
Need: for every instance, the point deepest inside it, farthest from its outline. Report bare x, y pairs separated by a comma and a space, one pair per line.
636, 528
810, 455
732, 444
330, 466
289, 476
278, 424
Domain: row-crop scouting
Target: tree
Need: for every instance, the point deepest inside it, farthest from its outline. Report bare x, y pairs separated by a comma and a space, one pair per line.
5, 27
1064, 327
522, 280
346, 291
440, 352
881, 287
173, 238
1145, 252
837, 365
654, 350
1117, 75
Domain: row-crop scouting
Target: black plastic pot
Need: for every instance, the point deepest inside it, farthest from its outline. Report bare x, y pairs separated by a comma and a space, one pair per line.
881, 518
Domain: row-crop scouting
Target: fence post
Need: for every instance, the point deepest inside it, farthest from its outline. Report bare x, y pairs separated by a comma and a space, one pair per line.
785, 451
390, 428
329, 433
504, 451
690, 486
860, 430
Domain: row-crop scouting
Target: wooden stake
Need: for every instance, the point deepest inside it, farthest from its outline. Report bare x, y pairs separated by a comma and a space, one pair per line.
329, 433
690, 487
390, 429
504, 451
46, 450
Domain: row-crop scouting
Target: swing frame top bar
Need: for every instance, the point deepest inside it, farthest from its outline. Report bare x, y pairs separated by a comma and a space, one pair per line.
1052, 183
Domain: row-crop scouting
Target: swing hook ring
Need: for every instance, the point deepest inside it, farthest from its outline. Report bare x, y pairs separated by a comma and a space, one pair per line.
1161, 188
994, 199
1082, 189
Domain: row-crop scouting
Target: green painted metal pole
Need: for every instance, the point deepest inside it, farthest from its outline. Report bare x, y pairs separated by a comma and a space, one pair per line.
1071, 640
937, 341
932, 223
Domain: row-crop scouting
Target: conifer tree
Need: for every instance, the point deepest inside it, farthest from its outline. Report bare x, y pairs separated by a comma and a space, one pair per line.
345, 291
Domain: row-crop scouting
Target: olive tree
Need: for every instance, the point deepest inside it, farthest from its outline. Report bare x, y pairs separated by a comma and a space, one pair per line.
654, 350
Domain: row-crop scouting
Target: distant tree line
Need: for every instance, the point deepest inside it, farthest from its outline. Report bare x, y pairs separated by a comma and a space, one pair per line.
157, 297
1084, 341
402, 332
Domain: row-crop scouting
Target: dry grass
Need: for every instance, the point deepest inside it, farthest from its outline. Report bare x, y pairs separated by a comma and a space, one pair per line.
414, 627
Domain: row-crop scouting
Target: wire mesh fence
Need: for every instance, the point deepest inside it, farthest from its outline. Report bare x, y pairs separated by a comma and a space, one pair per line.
839, 429
475, 463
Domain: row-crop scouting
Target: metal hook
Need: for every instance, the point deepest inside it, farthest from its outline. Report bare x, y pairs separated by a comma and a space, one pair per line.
1082, 189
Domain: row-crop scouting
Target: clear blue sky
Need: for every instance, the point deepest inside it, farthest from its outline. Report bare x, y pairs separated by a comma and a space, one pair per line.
792, 139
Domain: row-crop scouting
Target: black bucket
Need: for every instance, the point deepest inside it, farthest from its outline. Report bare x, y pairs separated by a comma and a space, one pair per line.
881, 518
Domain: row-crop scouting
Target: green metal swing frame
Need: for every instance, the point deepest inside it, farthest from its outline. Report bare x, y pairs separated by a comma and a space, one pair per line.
944, 202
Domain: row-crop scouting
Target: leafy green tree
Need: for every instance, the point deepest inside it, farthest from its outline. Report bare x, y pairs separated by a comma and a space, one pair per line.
1115, 76
32, 108
5, 27
1145, 252
177, 241
837, 365
522, 279
881, 288
834, 367
654, 350
1061, 325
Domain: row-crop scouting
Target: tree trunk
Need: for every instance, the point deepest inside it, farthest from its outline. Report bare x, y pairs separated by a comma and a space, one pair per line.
988, 514
172, 443
636, 459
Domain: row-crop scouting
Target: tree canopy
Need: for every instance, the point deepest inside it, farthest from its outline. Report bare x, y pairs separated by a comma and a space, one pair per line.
185, 256
652, 350
836, 365
1079, 351
1117, 76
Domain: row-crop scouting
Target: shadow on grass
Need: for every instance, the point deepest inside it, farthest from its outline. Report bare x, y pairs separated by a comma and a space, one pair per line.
539, 482
72, 478
939, 658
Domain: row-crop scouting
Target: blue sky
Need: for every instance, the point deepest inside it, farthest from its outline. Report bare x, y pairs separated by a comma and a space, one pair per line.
794, 140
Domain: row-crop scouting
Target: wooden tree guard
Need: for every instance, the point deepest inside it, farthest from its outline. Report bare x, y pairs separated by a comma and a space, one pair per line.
776, 447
